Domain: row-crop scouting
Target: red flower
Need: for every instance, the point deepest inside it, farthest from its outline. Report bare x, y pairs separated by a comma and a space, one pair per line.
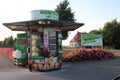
22, 42
87, 54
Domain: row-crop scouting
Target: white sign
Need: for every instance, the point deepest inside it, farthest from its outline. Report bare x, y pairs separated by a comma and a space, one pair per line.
91, 40
44, 14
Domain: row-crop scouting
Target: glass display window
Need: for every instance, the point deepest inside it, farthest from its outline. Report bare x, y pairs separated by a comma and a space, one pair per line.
36, 43
53, 43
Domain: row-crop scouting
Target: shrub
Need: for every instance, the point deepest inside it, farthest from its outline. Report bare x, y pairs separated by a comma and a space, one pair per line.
83, 54
7, 52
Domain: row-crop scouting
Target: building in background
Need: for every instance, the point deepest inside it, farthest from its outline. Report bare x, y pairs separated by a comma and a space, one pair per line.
76, 41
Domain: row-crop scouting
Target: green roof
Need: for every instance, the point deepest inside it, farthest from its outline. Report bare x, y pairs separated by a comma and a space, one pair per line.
43, 23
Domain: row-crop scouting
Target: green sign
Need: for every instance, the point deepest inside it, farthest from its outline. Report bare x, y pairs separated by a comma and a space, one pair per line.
91, 40
48, 12
45, 14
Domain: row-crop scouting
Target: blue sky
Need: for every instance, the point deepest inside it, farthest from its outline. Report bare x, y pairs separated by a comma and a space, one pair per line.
94, 13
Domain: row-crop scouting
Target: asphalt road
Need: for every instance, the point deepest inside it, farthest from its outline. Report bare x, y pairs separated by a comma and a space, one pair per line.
86, 70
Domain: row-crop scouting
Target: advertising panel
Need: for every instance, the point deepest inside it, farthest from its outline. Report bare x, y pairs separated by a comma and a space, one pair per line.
44, 14
91, 40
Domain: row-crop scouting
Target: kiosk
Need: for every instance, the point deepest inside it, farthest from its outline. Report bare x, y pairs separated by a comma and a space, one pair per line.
44, 40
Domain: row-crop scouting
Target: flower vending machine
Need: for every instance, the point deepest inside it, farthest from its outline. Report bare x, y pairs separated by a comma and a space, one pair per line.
45, 50
44, 39
20, 45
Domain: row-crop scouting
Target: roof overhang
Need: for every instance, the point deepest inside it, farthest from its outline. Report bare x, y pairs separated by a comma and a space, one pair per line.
43, 23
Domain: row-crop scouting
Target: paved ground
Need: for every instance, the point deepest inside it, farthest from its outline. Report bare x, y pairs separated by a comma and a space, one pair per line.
9, 71
86, 70
90, 70
6, 64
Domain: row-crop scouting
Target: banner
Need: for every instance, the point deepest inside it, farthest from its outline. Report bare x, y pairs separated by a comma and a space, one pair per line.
91, 40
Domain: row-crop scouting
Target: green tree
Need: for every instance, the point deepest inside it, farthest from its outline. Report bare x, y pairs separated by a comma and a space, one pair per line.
117, 36
7, 42
111, 34
4, 42
96, 31
10, 41
65, 14
0, 43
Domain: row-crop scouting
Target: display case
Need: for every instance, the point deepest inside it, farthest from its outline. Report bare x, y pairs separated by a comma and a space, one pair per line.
53, 43
36, 44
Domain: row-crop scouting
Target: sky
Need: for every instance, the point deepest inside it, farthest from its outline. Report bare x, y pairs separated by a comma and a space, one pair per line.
93, 13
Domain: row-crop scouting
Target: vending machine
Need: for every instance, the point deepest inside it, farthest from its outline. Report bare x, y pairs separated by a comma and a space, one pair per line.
44, 39
45, 50
20, 46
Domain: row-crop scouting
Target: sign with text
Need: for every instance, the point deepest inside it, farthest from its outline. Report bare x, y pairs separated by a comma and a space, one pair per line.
91, 40
44, 14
